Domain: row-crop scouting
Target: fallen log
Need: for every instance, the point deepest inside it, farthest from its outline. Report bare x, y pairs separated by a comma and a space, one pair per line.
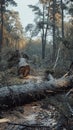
11, 96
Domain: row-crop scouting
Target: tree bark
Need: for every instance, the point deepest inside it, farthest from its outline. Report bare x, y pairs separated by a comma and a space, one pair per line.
62, 19
54, 28
43, 35
1, 32
15, 95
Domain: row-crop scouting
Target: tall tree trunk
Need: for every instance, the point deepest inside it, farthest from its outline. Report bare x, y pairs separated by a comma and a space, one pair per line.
62, 20
1, 39
54, 37
43, 38
47, 24
43, 47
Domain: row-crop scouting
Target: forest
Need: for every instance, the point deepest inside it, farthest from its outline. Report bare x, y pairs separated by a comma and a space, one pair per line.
36, 66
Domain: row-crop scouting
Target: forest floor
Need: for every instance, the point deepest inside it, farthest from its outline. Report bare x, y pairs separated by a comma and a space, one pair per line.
35, 113
39, 113
10, 77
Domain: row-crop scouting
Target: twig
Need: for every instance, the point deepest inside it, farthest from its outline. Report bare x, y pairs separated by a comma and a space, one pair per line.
32, 125
4, 120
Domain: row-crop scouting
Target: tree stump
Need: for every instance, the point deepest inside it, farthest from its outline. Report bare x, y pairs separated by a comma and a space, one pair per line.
24, 71
23, 67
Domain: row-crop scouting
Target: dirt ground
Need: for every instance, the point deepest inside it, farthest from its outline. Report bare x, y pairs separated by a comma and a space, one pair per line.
34, 113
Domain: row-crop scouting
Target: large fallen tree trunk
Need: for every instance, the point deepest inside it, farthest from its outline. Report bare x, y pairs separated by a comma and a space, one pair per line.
32, 91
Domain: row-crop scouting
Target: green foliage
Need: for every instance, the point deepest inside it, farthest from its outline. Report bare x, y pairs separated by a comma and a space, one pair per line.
31, 30
12, 2
71, 10
12, 27
34, 8
3, 5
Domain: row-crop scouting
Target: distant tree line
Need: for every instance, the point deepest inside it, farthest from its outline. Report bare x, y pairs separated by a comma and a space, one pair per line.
49, 19
11, 30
